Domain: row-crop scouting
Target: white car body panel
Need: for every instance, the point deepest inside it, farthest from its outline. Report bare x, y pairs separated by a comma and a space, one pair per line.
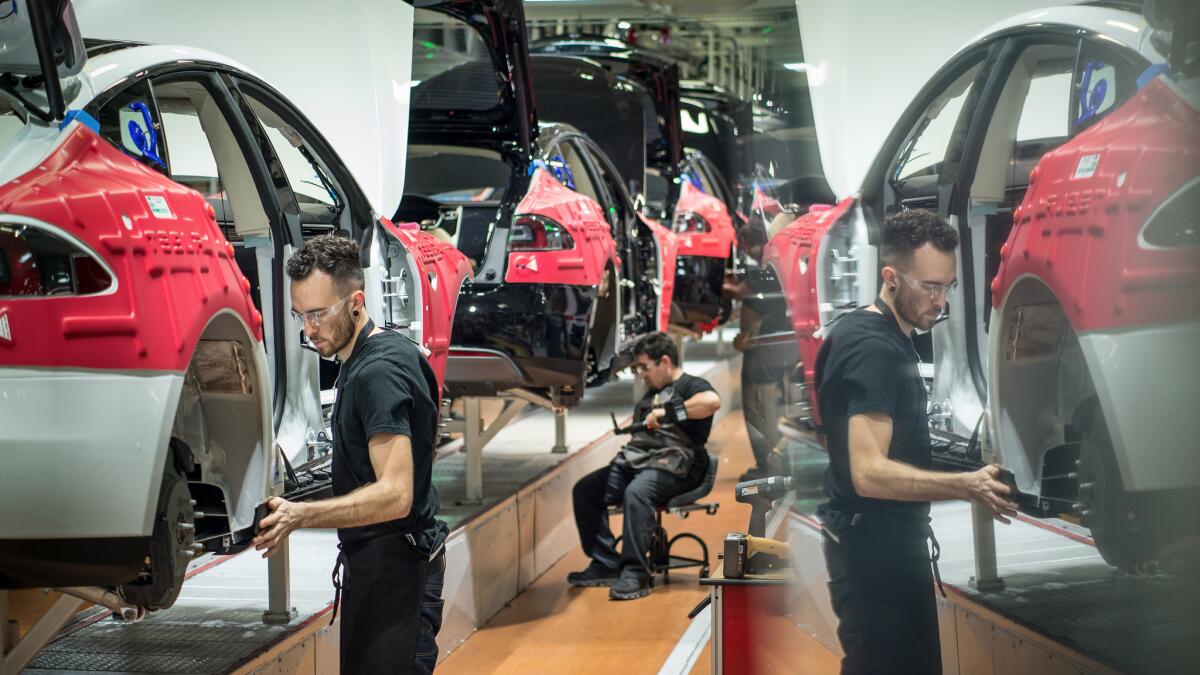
345, 65
866, 61
81, 432
1148, 383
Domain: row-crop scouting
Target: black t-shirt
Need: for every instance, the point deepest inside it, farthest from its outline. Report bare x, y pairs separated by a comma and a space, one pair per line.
867, 365
695, 431
386, 386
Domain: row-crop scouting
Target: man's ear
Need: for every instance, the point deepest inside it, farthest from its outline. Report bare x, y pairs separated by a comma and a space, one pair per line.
889, 276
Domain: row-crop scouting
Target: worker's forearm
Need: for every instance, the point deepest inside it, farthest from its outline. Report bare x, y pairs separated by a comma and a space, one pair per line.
889, 479
702, 405
370, 504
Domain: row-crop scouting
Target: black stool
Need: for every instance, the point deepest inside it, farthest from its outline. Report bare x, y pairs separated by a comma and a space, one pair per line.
659, 558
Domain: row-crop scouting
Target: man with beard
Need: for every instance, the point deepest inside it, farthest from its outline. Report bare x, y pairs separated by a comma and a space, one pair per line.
872, 402
384, 427
665, 459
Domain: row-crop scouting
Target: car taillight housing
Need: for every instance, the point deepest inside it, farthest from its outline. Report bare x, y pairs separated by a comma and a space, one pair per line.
691, 223
1174, 223
538, 233
38, 259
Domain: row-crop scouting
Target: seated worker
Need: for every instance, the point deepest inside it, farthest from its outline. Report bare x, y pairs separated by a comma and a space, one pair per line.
665, 460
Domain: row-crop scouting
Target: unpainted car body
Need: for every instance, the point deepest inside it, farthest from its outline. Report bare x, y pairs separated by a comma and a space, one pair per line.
154, 384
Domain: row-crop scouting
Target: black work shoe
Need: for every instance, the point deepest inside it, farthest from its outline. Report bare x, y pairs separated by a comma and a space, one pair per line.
595, 575
629, 587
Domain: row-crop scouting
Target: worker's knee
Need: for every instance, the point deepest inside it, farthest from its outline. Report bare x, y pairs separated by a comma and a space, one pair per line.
638, 495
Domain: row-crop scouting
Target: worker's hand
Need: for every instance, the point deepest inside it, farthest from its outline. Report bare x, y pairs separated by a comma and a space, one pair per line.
739, 342
653, 419
285, 516
984, 487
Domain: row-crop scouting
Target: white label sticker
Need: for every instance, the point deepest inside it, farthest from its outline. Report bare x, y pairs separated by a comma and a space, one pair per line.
158, 206
1087, 166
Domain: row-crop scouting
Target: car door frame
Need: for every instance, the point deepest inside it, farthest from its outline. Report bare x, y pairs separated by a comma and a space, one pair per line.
953, 205
207, 74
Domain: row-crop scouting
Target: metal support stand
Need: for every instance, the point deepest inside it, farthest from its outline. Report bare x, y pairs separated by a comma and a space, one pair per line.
279, 588
983, 530
476, 434
16, 652
560, 432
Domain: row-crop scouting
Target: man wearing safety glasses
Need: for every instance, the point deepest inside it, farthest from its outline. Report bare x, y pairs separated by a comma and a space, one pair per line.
384, 503
872, 402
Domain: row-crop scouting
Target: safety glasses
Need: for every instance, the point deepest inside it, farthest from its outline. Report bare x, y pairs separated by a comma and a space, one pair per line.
316, 316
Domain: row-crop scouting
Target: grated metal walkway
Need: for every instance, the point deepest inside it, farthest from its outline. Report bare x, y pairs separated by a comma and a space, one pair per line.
1057, 586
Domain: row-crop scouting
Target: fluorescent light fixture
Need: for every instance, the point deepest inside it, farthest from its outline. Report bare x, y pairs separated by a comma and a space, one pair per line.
799, 67
624, 25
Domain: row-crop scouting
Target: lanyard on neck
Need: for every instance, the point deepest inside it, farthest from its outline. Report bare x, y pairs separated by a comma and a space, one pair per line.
888, 314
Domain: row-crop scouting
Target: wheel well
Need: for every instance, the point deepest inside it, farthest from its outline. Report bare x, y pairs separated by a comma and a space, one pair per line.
1042, 384
222, 417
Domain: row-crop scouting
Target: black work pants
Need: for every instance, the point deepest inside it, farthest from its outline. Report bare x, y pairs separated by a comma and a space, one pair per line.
639, 493
383, 590
431, 615
881, 585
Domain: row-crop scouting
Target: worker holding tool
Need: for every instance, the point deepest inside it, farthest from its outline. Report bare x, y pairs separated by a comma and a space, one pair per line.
389, 572
664, 458
872, 401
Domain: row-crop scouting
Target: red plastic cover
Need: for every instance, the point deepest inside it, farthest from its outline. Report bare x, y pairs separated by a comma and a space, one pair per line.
718, 241
442, 270
1079, 224
582, 217
173, 269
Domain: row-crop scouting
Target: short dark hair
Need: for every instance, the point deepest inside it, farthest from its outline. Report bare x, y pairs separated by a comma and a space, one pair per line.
907, 231
335, 256
655, 346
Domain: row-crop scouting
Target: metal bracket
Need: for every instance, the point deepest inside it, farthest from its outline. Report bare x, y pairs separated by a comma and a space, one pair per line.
983, 531
15, 651
476, 434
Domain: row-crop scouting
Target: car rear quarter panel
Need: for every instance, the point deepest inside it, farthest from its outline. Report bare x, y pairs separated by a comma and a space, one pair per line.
718, 241
794, 253
443, 271
582, 217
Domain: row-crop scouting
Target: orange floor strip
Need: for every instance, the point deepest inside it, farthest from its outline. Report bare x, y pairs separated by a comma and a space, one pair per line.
552, 627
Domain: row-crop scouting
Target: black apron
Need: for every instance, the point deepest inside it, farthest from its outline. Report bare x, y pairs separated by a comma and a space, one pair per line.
379, 585
879, 581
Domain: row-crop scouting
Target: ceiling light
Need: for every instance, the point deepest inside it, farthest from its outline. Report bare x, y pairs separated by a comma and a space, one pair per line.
799, 66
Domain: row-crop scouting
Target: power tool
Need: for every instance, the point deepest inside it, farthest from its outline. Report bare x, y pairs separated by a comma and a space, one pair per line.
745, 554
761, 494
636, 427
753, 553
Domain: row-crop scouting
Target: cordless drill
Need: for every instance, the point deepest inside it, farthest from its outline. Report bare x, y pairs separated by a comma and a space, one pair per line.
753, 553
761, 494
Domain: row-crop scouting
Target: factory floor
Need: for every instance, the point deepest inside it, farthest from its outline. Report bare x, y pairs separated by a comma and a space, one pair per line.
553, 624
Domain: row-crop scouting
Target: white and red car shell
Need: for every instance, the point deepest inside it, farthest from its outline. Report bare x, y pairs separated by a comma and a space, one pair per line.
89, 384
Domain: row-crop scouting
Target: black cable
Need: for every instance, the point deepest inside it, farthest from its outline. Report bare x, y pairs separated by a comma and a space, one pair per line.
6, 84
